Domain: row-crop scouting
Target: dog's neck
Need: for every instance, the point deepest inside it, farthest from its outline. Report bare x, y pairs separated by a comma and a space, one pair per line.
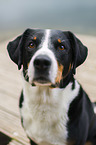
49, 95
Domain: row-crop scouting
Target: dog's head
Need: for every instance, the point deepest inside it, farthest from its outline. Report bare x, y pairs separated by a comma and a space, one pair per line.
47, 56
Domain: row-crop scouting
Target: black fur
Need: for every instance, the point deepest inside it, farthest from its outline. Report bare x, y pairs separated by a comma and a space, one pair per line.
21, 104
31, 142
14, 49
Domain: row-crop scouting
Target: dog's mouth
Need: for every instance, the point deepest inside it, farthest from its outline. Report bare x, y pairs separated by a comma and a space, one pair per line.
42, 81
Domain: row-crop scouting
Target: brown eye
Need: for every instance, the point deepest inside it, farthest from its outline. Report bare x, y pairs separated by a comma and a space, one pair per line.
61, 47
31, 45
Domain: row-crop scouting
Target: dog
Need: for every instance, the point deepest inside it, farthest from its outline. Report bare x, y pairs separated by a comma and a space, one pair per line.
54, 108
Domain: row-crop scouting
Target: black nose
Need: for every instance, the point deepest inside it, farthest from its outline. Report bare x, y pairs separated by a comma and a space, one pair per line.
42, 62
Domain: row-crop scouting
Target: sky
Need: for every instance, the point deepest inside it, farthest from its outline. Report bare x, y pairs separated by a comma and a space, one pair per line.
77, 16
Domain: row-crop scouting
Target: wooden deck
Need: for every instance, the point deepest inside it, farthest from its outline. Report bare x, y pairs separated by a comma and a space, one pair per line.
11, 85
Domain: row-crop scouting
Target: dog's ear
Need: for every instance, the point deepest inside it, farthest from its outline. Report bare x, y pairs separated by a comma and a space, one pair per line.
79, 51
15, 50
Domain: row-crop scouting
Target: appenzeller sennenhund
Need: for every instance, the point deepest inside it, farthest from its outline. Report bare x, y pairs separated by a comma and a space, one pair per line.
54, 108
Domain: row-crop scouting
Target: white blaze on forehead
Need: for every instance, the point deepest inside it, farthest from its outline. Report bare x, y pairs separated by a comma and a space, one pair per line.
46, 39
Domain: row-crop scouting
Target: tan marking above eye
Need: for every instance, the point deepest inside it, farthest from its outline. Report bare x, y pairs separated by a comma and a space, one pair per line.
35, 38
59, 40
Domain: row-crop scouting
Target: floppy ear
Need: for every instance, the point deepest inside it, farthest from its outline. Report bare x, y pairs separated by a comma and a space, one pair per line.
79, 51
15, 51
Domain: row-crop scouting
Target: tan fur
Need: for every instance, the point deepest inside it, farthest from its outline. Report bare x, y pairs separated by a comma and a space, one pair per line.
88, 143
59, 40
59, 73
28, 65
34, 38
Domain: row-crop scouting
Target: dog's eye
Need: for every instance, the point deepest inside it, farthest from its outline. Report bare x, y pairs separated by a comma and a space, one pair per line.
31, 45
61, 47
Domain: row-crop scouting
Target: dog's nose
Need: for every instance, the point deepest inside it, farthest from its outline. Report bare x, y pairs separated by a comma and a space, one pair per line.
42, 62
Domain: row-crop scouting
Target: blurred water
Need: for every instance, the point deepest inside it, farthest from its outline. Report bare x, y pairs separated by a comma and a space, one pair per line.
77, 16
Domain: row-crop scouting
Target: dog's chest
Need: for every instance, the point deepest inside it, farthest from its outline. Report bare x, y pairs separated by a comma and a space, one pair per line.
45, 118
44, 123
44, 115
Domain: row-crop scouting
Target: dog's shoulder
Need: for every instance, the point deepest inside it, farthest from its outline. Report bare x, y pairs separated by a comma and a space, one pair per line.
81, 117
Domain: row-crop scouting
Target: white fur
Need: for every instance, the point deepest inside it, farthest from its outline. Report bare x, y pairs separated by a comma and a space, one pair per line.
45, 112
44, 50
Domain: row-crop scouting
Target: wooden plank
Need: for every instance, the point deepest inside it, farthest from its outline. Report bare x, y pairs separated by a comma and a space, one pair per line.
14, 142
11, 125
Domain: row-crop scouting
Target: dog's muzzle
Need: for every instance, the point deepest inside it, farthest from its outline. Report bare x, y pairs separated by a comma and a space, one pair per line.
42, 65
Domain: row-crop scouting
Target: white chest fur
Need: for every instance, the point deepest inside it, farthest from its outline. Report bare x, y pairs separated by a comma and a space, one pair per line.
45, 112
